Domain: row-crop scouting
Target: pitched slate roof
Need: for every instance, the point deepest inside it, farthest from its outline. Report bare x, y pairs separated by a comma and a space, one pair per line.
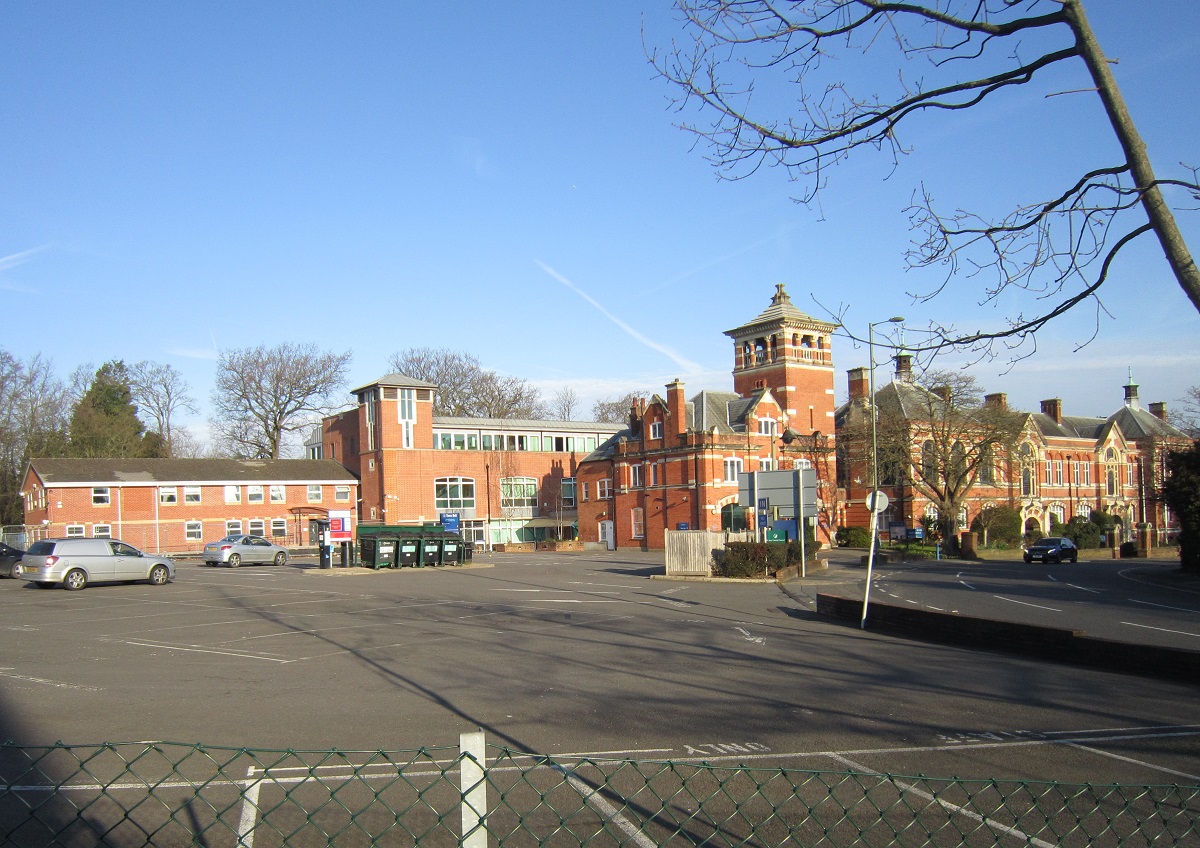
65, 472
781, 311
397, 380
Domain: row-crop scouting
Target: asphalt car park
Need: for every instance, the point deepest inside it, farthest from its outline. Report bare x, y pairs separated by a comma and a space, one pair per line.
561, 653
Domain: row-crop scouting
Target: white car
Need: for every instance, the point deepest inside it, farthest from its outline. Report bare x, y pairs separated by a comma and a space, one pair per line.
236, 549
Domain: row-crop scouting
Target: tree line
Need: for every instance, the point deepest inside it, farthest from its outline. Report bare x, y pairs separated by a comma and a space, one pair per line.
263, 400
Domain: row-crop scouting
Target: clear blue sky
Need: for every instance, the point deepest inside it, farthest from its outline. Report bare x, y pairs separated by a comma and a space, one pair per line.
506, 180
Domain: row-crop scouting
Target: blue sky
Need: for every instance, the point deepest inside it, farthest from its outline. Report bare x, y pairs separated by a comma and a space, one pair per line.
508, 180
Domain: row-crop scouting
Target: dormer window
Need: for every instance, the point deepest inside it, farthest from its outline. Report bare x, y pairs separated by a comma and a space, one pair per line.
655, 429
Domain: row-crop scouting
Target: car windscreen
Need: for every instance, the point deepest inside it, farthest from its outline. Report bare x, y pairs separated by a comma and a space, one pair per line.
1046, 543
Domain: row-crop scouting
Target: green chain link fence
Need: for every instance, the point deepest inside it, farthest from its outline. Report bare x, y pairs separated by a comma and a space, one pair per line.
476, 796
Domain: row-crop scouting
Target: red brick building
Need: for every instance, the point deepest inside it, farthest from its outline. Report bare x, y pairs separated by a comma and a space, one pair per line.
1061, 466
175, 505
507, 480
676, 464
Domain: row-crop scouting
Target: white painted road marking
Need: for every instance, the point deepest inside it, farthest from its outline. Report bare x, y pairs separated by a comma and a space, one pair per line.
6, 672
1024, 604
1161, 629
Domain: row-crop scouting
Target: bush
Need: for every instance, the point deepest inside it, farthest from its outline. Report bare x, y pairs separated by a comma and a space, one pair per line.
1129, 550
751, 559
853, 537
998, 525
1083, 532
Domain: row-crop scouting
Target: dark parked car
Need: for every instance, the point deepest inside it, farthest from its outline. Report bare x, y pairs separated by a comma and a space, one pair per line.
1052, 549
10, 558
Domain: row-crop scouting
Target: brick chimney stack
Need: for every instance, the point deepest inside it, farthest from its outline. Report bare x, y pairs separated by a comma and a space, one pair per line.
1159, 410
677, 409
1053, 408
999, 400
860, 384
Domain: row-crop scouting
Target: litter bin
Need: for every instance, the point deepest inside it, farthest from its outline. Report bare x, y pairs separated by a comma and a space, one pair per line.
408, 553
451, 551
431, 550
367, 552
468, 550
386, 554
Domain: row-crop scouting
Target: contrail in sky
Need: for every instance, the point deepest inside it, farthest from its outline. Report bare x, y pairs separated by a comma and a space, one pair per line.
15, 259
687, 365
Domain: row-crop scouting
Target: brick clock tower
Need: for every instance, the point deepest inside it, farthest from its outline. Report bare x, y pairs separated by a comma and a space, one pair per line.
790, 354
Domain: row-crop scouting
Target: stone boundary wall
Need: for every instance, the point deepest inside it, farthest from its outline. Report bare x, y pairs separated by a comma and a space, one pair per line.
1029, 640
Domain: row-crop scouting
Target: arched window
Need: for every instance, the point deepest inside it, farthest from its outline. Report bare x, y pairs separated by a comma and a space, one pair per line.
987, 466
958, 461
929, 469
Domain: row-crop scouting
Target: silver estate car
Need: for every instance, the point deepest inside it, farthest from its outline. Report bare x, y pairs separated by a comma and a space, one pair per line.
236, 549
74, 563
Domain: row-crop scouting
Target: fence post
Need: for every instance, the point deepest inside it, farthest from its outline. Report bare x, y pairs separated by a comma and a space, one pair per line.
472, 749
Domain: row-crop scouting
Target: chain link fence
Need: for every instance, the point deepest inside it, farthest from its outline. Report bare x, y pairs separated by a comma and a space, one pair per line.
476, 796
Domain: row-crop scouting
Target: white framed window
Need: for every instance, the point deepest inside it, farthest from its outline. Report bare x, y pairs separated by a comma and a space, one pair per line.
407, 408
568, 493
100, 496
733, 467
453, 493
766, 426
1087, 473
254, 494
341, 494
75, 531
656, 429
278, 527
1130, 476
637, 520
518, 493
233, 527
314, 493
604, 489
102, 531
637, 476
191, 494
233, 494
1084, 510
168, 495
654, 478
369, 409
193, 531
257, 527
766, 463
278, 494
1058, 472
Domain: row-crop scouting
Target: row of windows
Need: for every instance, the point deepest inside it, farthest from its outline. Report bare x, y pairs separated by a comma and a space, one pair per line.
513, 442
193, 531
458, 493
169, 495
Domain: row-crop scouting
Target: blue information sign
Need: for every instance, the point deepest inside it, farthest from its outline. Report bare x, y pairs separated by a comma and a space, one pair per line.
450, 521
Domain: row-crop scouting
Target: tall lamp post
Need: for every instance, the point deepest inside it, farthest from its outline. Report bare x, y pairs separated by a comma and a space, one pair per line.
872, 498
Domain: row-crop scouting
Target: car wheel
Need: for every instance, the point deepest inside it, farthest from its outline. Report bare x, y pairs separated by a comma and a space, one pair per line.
159, 575
1028, 560
280, 558
1074, 558
75, 580
234, 560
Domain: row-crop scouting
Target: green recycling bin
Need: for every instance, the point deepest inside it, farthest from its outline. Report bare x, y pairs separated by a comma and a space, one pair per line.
452, 548
408, 552
385, 555
431, 550
367, 553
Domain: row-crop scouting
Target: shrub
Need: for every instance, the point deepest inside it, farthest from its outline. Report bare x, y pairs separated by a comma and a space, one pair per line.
1129, 550
751, 559
853, 537
1083, 532
998, 525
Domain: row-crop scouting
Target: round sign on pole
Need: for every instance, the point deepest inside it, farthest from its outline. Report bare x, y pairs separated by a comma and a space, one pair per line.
877, 501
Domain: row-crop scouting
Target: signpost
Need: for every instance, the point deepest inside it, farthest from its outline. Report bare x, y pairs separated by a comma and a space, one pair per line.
877, 502
794, 494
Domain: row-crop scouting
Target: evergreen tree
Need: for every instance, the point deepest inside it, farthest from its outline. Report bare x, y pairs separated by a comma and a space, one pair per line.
104, 423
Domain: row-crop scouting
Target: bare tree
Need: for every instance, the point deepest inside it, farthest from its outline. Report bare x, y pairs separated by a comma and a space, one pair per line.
162, 392
1060, 248
940, 435
263, 394
1188, 418
564, 404
465, 388
614, 410
34, 409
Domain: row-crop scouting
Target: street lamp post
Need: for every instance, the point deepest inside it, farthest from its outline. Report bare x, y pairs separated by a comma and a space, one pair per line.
872, 498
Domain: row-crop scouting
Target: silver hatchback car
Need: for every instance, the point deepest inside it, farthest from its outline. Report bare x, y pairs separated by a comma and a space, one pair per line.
236, 549
74, 563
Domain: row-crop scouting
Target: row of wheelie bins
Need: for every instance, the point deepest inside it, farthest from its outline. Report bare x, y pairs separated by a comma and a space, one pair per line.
411, 547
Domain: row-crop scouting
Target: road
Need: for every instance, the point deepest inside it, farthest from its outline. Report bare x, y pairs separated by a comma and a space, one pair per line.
1110, 599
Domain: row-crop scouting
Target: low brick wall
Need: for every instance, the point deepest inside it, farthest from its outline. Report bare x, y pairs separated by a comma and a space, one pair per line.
575, 545
1030, 640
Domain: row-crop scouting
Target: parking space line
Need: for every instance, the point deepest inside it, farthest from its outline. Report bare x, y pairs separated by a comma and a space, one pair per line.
1131, 760
996, 826
198, 650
